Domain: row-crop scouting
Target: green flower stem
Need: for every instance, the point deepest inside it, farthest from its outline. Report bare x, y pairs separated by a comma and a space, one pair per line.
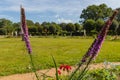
57, 78
84, 70
33, 66
73, 73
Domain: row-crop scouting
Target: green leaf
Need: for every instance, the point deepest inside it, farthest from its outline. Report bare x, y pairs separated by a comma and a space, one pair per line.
57, 78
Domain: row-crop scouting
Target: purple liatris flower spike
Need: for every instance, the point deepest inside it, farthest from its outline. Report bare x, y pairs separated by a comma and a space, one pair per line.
95, 47
25, 31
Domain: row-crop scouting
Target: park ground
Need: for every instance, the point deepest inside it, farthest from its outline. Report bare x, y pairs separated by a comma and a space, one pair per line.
66, 50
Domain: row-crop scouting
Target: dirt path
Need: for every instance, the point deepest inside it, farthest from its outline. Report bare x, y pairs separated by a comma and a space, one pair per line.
51, 72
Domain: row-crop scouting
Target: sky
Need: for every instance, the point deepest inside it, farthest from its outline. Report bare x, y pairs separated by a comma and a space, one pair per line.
50, 10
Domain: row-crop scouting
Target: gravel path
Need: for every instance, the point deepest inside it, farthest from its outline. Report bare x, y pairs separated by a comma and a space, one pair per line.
50, 72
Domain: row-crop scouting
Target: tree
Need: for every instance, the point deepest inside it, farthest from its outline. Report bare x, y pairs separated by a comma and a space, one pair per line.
30, 23
31, 27
63, 29
6, 25
46, 27
89, 25
96, 12
32, 30
113, 27
58, 29
118, 29
17, 29
2, 23
78, 27
70, 27
63, 26
39, 28
118, 15
99, 24
2, 26
2, 31
106, 11
52, 28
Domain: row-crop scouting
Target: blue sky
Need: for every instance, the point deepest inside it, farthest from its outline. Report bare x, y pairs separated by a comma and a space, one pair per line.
49, 10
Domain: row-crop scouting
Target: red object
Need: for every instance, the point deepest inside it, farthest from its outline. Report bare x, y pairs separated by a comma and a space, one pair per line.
65, 67
62, 67
59, 72
68, 68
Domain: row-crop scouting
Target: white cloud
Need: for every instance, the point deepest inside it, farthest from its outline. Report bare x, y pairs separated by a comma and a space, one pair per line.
57, 16
67, 9
7, 17
41, 5
57, 6
62, 20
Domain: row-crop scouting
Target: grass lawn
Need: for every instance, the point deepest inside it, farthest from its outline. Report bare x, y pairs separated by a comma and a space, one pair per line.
14, 57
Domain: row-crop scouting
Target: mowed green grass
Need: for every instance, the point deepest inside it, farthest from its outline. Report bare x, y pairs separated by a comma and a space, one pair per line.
15, 59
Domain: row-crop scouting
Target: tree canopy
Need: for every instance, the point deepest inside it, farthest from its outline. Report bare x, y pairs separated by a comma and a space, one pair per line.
96, 12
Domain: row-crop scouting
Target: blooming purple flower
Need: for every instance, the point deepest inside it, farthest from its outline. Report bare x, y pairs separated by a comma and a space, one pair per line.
25, 31
95, 47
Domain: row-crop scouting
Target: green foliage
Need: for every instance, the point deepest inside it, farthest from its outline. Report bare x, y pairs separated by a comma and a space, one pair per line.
118, 29
30, 23
63, 26
104, 74
99, 24
39, 28
2, 31
96, 12
45, 27
7, 26
89, 26
32, 30
101, 74
118, 15
53, 28
70, 27
33, 66
78, 27
113, 27
56, 69
16, 27
105, 11
111, 73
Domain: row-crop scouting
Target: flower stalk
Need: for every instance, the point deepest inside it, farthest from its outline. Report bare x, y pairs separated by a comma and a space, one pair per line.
94, 48
24, 29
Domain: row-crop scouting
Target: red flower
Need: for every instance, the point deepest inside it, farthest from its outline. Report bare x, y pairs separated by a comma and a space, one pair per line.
62, 67
65, 67
59, 72
68, 68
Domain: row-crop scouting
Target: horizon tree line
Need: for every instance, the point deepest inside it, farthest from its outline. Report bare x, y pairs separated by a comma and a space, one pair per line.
91, 21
